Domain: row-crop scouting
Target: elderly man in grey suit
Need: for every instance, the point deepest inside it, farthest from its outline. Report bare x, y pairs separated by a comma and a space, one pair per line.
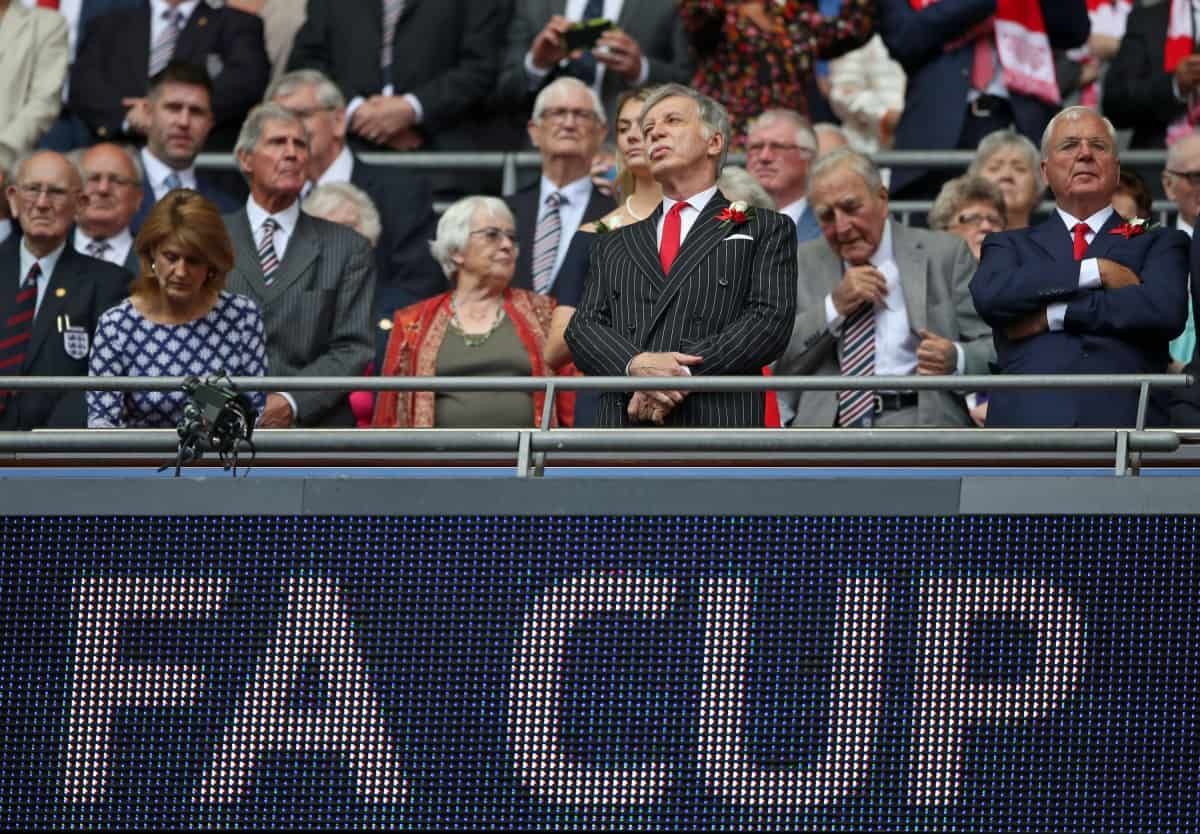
876, 297
312, 279
647, 45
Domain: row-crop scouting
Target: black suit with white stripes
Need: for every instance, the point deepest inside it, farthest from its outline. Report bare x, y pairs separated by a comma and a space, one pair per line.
730, 297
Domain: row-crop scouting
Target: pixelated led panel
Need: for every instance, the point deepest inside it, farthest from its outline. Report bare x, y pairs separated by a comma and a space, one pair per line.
987, 674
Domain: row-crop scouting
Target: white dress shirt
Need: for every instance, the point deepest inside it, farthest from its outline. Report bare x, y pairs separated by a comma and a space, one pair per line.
47, 264
340, 170
574, 13
895, 342
687, 217
1183, 226
1089, 268
285, 224
795, 210
118, 245
5, 230
570, 213
157, 172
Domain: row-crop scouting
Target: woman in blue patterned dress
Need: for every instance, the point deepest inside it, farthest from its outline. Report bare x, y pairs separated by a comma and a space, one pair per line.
179, 320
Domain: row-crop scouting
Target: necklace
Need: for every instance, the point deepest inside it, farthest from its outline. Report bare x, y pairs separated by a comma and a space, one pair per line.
472, 340
629, 208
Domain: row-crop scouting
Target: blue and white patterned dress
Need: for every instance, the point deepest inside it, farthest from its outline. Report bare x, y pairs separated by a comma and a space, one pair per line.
229, 338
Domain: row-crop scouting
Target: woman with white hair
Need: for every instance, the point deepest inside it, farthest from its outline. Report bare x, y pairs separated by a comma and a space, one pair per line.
480, 327
1012, 162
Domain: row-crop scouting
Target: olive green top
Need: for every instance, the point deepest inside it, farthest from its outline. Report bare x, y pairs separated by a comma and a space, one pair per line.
502, 354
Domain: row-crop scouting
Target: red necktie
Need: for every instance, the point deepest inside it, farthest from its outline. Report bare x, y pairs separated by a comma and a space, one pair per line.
672, 228
1080, 230
17, 329
47, 4
983, 63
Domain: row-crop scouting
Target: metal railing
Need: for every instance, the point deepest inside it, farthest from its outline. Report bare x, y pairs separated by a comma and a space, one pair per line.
531, 446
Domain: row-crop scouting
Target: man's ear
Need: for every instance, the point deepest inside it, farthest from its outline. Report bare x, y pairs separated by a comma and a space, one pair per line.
532, 128
243, 159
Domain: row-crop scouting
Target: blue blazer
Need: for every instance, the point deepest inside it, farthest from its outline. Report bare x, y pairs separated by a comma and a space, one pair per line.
1117, 331
936, 95
224, 203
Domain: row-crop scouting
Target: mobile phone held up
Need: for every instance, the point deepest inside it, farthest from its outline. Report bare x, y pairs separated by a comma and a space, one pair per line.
583, 35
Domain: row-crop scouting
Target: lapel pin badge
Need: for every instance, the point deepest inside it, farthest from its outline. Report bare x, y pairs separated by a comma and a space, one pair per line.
60, 292
202, 21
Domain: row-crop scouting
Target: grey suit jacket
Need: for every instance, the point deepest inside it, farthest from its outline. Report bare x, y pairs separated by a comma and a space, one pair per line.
316, 312
935, 271
654, 24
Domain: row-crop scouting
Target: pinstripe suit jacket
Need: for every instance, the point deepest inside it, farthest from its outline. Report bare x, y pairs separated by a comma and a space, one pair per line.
730, 297
317, 310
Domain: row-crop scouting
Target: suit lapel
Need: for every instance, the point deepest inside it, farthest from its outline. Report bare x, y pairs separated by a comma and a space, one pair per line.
409, 6
701, 239
525, 211
194, 36
54, 301
246, 263
642, 245
1053, 236
913, 264
301, 252
1105, 239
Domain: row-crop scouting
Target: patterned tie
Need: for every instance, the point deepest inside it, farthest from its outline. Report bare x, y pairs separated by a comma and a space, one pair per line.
1080, 242
392, 9
545, 244
164, 46
672, 232
584, 67
14, 338
99, 248
173, 181
266, 251
857, 359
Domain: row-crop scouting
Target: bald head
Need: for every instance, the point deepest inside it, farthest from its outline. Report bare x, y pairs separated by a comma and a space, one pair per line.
44, 196
1181, 177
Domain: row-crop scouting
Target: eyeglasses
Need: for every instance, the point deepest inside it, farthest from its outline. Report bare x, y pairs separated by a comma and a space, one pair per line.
308, 112
978, 219
560, 114
1192, 177
97, 179
755, 148
54, 193
493, 235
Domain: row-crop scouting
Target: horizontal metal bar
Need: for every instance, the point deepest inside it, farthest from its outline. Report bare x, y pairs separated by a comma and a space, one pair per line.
608, 383
613, 441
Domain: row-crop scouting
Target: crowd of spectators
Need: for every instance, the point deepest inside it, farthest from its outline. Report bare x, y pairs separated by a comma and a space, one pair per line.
326, 264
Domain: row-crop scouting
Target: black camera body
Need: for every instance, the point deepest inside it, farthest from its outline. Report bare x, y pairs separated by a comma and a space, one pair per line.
216, 416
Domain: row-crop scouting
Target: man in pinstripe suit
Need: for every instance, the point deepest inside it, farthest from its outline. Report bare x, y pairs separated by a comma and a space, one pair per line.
312, 279
690, 289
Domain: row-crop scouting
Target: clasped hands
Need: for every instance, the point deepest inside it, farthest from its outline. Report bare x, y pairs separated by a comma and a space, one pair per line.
864, 284
654, 406
387, 120
1113, 276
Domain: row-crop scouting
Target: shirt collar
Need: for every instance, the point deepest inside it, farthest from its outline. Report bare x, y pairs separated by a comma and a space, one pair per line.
340, 170
157, 7
47, 262
286, 218
157, 171
576, 193
1183, 226
884, 253
1095, 222
5, 229
121, 241
795, 210
696, 201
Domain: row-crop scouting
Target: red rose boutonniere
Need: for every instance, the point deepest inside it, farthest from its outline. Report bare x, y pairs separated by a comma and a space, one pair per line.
1131, 228
735, 214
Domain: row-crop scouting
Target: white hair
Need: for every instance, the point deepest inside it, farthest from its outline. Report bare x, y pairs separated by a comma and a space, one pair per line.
999, 140
454, 227
713, 117
846, 158
328, 93
805, 136
1071, 114
325, 199
738, 184
565, 85
252, 128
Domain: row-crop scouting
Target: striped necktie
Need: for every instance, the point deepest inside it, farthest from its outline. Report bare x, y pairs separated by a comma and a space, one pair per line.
18, 327
164, 46
857, 359
172, 181
545, 244
266, 250
99, 248
392, 9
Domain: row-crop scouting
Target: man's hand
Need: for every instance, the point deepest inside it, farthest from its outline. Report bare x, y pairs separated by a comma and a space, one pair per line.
1028, 325
663, 364
645, 410
405, 140
277, 413
137, 114
620, 53
860, 285
1187, 74
936, 356
1114, 275
547, 48
379, 118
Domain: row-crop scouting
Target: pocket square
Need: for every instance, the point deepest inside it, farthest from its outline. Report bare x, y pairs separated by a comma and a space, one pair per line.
738, 237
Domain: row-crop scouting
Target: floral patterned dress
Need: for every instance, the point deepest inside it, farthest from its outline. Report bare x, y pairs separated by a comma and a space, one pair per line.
750, 69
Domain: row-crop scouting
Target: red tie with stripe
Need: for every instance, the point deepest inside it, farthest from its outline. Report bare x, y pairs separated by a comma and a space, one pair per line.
1080, 230
672, 231
18, 328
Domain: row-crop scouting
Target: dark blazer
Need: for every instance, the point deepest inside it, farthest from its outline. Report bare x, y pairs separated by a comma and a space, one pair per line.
1121, 331
81, 288
654, 24
113, 57
729, 299
1185, 402
938, 80
1138, 92
447, 55
317, 310
524, 206
224, 203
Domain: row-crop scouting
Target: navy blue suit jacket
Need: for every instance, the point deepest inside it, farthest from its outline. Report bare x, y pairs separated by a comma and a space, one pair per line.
1106, 331
938, 81
224, 203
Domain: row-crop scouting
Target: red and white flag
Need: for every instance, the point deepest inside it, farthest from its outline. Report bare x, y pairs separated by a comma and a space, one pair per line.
1179, 34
